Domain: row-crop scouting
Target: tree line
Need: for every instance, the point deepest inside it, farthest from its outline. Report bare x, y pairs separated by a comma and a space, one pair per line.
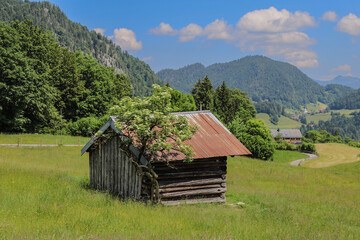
42, 83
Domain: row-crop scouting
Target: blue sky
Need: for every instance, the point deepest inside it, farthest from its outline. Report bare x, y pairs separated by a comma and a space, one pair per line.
320, 37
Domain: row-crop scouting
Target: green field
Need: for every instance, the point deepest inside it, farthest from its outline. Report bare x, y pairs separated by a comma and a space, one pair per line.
284, 122
333, 154
42, 139
44, 195
287, 156
313, 107
327, 116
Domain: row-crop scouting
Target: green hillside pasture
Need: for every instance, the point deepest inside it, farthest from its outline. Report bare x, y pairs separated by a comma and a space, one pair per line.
327, 116
42, 139
288, 156
333, 154
44, 196
313, 107
317, 117
284, 122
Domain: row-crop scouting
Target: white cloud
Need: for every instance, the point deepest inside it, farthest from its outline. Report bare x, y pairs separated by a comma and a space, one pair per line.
272, 20
218, 30
126, 39
274, 32
190, 32
342, 68
99, 30
163, 29
349, 24
147, 59
329, 16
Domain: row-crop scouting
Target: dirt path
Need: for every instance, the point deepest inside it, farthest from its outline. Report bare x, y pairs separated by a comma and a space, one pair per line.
299, 161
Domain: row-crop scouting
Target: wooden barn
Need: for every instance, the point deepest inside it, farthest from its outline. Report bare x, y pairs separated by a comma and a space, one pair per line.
202, 180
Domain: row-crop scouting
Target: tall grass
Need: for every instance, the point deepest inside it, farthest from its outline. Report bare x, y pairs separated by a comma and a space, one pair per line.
42, 139
44, 195
288, 156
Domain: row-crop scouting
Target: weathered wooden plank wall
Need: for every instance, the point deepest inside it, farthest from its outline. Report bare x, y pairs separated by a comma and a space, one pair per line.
202, 180
111, 170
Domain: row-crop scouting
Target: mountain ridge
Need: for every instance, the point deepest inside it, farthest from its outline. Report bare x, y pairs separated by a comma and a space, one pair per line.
261, 77
348, 81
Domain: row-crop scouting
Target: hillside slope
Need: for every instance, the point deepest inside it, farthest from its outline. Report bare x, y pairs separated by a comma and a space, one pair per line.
261, 77
350, 101
78, 37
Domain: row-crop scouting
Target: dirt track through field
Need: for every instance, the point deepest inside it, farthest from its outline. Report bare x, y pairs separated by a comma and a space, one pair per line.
299, 161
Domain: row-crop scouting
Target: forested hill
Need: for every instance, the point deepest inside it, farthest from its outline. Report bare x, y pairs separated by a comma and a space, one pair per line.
77, 37
261, 77
350, 101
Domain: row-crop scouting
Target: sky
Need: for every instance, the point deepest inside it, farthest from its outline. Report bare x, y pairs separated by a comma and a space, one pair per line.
320, 37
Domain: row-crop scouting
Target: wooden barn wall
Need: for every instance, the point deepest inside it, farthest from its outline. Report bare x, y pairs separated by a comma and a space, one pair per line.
112, 170
202, 180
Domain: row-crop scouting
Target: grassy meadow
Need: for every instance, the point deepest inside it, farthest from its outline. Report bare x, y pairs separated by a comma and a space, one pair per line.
42, 139
44, 194
287, 156
284, 122
333, 154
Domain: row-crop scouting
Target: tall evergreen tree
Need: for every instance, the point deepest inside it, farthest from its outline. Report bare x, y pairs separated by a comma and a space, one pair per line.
203, 93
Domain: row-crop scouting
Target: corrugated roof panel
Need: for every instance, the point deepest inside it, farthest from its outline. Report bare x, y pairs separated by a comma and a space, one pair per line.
212, 139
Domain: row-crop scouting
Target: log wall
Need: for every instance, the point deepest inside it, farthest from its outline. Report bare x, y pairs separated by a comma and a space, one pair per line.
199, 181
112, 170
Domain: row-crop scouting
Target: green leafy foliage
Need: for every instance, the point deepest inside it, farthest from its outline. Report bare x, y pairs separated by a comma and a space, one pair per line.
78, 38
272, 109
284, 145
41, 82
86, 127
257, 138
322, 136
233, 105
350, 101
150, 124
306, 147
182, 102
339, 125
261, 77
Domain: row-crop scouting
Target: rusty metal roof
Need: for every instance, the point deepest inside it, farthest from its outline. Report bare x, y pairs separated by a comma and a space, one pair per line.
212, 139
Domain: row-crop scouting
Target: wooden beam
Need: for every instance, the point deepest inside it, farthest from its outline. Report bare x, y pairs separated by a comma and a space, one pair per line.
200, 192
194, 201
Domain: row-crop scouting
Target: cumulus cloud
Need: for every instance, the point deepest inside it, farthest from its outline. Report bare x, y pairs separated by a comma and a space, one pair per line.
126, 39
147, 59
274, 32
342, 68
349, 24
163, 29
190, 32
99, 30
273, 20
218, 30
215, 30
329, 16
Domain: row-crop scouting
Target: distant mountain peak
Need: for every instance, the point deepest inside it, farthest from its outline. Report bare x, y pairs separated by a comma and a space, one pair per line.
261, 77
